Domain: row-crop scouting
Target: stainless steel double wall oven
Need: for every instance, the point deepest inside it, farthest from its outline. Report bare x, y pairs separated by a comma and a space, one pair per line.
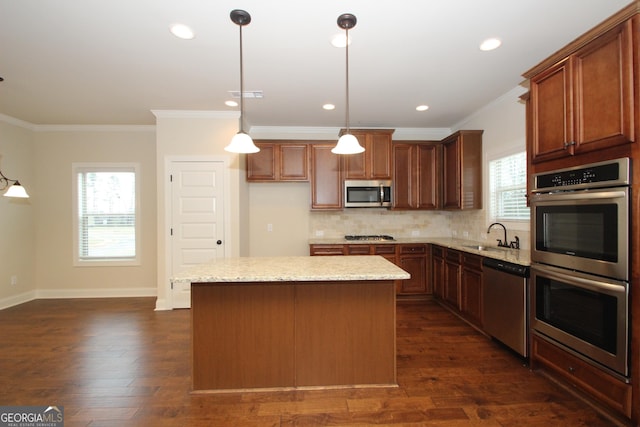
580, 261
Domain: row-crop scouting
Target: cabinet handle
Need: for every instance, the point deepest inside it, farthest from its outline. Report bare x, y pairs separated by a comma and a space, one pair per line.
568, 144
572, 369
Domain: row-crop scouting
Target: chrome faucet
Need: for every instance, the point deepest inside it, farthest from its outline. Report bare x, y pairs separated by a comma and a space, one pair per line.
502, 243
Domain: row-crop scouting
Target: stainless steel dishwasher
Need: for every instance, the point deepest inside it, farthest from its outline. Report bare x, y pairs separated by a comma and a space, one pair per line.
506, 303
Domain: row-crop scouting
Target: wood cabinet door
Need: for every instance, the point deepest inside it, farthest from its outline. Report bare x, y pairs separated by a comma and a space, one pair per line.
404, 176
261, 166
428, 177
375, 161
603, 91
438, 271
551, 113
380, 155
471, 289
326, 181
416, 266
452, 278
452, 186
294, 162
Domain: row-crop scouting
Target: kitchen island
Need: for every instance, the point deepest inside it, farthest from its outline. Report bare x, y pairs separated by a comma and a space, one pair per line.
293, 322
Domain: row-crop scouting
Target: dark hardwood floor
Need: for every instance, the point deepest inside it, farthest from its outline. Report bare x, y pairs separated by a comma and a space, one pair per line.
116, 362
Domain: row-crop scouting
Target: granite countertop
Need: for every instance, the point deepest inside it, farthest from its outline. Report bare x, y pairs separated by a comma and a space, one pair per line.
300, 268
517, 256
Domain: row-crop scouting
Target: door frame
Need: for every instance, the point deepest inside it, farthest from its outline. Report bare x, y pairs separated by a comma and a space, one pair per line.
226, 193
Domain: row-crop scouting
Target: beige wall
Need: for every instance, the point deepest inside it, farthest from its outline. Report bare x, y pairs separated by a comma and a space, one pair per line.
17, 224
202, 134
36, 234
55, 152
504, 124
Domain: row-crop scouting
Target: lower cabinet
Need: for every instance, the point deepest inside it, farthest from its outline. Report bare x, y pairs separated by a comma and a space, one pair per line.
413, 258
457, 281
471, 288
608, 390
452, 270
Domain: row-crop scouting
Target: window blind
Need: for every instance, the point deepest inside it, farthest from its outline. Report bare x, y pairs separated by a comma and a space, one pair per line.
106, 214
508, 188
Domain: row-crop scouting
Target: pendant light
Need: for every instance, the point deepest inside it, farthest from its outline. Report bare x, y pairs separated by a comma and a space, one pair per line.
347, 143
241, 142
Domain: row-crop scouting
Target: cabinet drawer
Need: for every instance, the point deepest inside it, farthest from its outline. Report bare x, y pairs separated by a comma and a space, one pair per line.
472, 262
384, 249
358, 249
326, 250
605, 388
453, 256
437, 251
413, 249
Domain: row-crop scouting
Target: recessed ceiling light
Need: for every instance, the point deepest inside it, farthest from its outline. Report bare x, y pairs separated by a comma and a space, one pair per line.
329, 107
490, 44
340, 40
181, 31
231, 103
422, 107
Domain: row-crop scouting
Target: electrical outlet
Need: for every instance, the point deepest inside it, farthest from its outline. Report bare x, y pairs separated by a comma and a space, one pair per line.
269, 227
319, 233
415, 233
14, 280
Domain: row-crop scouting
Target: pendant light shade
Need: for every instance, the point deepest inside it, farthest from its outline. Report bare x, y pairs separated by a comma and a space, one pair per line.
241, 142
347, 143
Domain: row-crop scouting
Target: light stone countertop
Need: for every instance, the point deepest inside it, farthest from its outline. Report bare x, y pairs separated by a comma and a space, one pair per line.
300, 268
516, 256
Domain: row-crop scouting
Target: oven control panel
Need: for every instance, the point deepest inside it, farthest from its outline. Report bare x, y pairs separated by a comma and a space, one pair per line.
612, 173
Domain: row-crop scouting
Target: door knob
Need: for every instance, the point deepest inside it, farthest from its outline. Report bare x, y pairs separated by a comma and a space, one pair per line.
219, 242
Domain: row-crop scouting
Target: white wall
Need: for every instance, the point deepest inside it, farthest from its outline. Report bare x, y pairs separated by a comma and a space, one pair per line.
17, 224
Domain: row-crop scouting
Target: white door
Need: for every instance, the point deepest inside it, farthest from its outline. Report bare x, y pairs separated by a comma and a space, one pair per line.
197, 219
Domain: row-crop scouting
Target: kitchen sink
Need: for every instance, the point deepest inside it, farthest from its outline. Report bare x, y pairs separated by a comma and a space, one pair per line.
485, 248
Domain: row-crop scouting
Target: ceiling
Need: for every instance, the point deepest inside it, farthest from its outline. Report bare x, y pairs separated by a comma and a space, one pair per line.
114, 61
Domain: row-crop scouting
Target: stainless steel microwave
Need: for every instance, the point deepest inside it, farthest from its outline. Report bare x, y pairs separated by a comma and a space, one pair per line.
367, 194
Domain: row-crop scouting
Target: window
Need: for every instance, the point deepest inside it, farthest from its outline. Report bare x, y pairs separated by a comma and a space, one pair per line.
508, 188
106, 214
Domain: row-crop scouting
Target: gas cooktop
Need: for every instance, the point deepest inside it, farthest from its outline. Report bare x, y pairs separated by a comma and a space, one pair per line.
368, 237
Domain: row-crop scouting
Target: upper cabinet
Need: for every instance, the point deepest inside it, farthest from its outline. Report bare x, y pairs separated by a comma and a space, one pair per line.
376, 160
278, 161
326, 177
584, 102
417, 175
462, 170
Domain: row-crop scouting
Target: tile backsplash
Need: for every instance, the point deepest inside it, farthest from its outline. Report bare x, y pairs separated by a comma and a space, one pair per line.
471, 225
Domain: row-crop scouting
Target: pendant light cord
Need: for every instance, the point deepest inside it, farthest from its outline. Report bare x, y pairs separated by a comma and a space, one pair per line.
347, 73
241, 86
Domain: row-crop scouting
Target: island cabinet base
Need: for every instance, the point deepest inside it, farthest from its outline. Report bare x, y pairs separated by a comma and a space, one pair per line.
293, 335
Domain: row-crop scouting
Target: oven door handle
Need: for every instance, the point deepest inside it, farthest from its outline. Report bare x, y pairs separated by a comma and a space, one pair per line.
580, 195
608, 286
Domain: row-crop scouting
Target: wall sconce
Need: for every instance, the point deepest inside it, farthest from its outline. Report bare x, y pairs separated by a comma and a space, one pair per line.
15, 189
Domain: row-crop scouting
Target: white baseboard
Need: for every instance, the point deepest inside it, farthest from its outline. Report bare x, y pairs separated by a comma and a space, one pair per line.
17, 299
76, 293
